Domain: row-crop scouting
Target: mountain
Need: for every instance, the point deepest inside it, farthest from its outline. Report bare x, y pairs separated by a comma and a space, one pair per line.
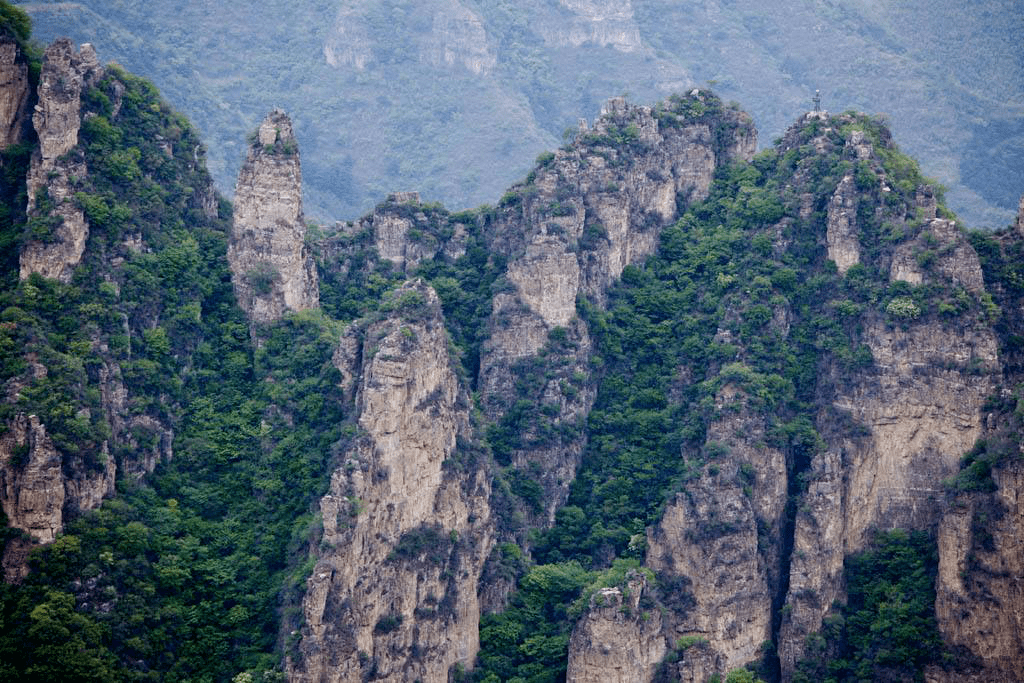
455, 98
671, 409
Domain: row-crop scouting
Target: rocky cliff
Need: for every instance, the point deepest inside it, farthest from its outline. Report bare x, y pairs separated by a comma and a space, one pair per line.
979, 596
619, 640
585, 213
842, 352
893, 429
15, 89
57, 246
724, 535
77, 410
405, 529
272, 268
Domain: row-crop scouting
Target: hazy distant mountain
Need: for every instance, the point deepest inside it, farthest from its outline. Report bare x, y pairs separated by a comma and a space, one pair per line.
455, 98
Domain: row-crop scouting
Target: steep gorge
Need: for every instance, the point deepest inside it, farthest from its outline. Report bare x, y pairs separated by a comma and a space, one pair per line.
452, 393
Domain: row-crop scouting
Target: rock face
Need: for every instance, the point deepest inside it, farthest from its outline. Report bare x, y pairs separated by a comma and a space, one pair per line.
598, 22
619, 640
724, 534
978, 591
57, 119
584, 215
917, 410
14, 92
892, 431
456, 38
405, 533
843, 243
272, 268
34, 489
401, 231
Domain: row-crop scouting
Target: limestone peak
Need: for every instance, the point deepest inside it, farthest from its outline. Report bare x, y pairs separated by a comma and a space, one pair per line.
276, 129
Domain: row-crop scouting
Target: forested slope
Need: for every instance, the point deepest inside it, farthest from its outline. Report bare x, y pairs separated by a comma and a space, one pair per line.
668, 410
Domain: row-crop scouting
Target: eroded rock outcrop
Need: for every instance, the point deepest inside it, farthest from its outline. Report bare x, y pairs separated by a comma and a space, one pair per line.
620, 639
271, 266
14, 91
586, 213
34, 489
723, 533
916, 412
456, 37
979, 592
842, 236
51, 181
405, 532
599, 22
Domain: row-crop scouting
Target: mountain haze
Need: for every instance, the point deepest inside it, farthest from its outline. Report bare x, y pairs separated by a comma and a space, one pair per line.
454, 98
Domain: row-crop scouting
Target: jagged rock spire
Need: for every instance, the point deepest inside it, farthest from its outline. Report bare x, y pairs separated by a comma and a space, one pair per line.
57, 119
272, 268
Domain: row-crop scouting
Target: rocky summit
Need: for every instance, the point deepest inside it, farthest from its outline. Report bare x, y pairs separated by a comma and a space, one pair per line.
670, 409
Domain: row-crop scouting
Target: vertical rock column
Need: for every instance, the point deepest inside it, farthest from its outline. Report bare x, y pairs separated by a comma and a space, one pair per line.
394, 594
272, 269
57, 119
14, 91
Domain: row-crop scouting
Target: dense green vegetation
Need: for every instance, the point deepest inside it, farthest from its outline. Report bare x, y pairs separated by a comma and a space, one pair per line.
188, 576
886, 630
196, 571
663, 356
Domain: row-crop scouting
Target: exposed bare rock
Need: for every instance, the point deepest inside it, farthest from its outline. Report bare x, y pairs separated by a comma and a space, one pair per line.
585, 214
405, 537
599, 22
816, 564
619, 640
50, 186
917, 411
698, 663
458, 37
842, 234
957, 260
724, 534
923, 411
548, 278
34, 489
979, 594
940, 252
272, 268
64, 75
14, 92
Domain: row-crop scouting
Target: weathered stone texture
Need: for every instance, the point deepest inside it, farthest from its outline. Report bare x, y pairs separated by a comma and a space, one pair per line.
271, 266
710, 535
14, 92
979, 592
34, 490
57, 119
842, 235
619, 639
918, 409
392, 483
587, 213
